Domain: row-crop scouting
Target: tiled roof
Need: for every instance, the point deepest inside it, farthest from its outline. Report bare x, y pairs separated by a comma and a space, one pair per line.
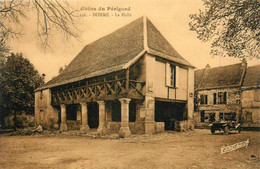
198, 74
223, 76
115, 51
252, 77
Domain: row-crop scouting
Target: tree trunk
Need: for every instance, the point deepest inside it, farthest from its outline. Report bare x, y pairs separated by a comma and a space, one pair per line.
15, 121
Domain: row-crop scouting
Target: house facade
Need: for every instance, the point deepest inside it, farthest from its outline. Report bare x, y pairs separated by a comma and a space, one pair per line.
251, 98
130, 81
218, 92
229, 91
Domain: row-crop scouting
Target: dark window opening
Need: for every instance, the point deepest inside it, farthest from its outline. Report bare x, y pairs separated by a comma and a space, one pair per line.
71, 111
227, 116
132, 111
202, 115
215, 98
116, 111
209, 117
93, 115
220, 98
169, 113
204, 99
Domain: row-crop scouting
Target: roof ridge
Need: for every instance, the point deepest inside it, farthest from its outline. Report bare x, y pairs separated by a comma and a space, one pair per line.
253, 66
220, 66
145, 33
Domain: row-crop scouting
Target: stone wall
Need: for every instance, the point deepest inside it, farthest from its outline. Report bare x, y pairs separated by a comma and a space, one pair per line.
45, 114
233, 103
250, 107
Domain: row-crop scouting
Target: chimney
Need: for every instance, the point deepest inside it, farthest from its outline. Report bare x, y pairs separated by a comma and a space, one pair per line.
243, 64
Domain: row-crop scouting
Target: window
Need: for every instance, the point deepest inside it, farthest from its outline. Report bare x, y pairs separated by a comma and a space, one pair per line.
202, 116
172, 75
172, 68
204, 99
227, 116
257, 95
41, 95
220, 98
208, 117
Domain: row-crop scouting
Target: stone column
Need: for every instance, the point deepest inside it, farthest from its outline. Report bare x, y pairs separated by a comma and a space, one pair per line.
190, 98
217, 116
84, 117
102, 118
124, 129
63, 124
149, 123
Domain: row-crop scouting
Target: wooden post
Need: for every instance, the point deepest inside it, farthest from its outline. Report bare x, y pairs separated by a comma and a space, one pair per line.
127, 80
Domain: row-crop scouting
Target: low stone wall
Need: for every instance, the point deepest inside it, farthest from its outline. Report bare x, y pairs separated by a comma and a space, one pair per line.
114, 127
159, 127
73, 124
184, 125
135, 127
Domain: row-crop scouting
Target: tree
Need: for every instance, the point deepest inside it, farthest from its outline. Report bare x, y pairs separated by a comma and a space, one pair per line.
18, 80
4, 49
232, 27
51, 16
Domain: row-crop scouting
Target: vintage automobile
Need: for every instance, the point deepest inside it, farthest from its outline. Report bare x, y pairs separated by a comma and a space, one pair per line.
226, 124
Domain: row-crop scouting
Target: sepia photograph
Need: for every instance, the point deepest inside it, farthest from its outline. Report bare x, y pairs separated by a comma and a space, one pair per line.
109, 84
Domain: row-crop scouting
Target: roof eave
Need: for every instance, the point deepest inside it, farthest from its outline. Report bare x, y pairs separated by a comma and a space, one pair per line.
90, 75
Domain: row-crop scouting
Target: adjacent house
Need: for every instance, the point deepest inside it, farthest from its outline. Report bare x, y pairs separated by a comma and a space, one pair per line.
250, 97
130, 81
218, 91
231, 91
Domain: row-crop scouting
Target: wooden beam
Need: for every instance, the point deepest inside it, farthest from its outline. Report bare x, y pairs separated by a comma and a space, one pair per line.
127, 80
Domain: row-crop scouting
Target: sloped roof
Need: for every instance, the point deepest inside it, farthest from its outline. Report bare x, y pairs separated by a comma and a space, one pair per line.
252, 77
198, 75
223, 76
115, 51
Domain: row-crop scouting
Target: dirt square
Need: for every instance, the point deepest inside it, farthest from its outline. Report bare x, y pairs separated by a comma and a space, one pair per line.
193, 149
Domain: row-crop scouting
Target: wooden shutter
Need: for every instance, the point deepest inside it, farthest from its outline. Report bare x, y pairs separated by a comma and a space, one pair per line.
177, 76
215, 98
168, 74
225, 97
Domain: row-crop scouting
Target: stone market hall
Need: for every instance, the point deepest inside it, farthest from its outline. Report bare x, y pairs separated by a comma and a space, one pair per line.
130, 81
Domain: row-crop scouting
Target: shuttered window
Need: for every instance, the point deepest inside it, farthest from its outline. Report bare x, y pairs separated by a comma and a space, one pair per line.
220, 98
172, 75
204, 99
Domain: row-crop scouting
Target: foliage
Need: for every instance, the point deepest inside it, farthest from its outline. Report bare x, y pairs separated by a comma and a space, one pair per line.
23, 120
4, 49
232, 27
50, 16
18, 80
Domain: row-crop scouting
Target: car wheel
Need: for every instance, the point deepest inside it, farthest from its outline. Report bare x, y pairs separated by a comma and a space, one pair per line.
212, 130
239, 130
226, 130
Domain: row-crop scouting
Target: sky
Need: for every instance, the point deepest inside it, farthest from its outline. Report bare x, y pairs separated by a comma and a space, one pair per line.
171, 17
